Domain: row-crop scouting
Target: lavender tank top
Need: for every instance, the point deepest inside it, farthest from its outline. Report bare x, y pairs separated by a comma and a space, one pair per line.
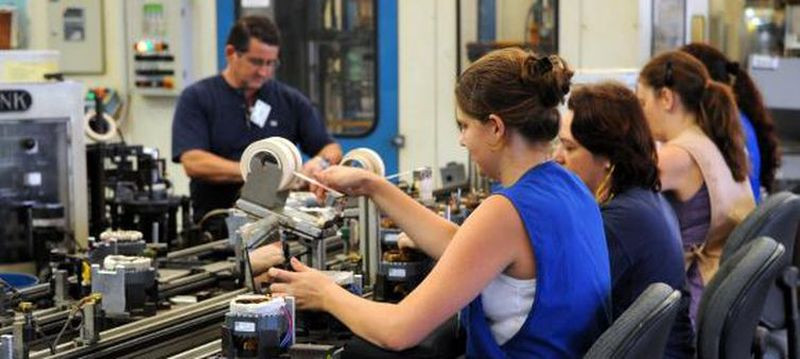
694, 217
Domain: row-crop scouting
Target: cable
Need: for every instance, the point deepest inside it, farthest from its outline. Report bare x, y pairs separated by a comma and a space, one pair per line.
289, 328
61, 332
73, 311
121, 137
212, 213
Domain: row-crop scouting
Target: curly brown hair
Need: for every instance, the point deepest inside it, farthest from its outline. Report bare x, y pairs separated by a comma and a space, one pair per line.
711, 102
520, 87
609, 121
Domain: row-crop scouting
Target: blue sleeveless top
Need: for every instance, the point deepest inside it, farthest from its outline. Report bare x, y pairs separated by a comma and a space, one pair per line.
571, 307
753, 154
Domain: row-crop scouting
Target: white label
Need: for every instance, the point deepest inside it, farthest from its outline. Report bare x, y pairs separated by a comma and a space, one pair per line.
259, 113
397, 272
244, 327
764, 62
390, 237
255, 3
33, 179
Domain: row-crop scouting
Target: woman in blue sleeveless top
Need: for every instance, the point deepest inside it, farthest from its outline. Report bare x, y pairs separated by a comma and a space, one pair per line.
529, 267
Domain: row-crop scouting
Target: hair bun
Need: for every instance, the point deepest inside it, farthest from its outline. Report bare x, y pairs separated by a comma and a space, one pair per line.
548, 78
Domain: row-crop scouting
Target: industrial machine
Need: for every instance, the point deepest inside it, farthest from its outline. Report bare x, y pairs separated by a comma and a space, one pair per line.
400, 270
124, 296
42, 170
129, 190
270, 170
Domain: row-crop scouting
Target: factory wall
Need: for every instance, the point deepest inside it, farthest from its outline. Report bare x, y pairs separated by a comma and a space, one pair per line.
149, 119
427, 63
427, 73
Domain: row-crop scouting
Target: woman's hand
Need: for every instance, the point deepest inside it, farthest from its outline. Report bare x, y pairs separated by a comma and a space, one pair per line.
348, 180
308, 286
404, 241
264, 257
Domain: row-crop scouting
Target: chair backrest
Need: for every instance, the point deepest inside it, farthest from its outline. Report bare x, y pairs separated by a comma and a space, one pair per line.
643, 328
734, 299
778, 218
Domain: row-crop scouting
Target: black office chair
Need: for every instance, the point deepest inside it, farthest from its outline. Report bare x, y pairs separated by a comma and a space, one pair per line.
734, 299
778, 218
642, 330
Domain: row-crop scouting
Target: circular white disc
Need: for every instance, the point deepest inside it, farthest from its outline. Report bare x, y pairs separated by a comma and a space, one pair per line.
282, 150
367, 158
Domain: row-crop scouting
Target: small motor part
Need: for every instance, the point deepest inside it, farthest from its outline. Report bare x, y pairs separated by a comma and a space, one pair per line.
258, 326
121, 236
114, 262
128, 285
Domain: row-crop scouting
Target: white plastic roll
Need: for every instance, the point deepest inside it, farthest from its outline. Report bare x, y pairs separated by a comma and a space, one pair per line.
257, 305
113, 262
282, 150
121, 236
365, 158
100, 137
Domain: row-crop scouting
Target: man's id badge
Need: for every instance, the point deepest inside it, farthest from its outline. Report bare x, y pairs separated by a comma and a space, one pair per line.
259, 113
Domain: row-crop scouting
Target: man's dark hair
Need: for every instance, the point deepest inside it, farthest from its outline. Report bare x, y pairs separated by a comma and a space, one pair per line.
253, 26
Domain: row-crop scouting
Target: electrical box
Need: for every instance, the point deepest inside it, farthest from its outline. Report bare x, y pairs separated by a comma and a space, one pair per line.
75, 29
160, 46
42, 168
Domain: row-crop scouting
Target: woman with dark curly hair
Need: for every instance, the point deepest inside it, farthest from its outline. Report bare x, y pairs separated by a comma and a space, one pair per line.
702, 163
605, 140
759, 130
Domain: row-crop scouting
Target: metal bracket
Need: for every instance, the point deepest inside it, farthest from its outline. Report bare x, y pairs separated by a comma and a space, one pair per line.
261, 187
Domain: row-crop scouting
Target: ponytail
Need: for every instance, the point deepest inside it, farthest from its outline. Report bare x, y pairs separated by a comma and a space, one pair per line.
710, 101
752, 104
719, 119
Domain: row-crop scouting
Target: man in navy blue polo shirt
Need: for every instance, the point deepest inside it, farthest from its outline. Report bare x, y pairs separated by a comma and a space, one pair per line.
218, 117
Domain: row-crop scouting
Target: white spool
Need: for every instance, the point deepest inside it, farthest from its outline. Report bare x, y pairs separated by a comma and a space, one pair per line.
113, 262
365, 158
121, 236
256, 305
100, 137
282, 150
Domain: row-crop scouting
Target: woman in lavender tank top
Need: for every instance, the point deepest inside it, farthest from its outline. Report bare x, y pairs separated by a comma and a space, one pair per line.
702, 162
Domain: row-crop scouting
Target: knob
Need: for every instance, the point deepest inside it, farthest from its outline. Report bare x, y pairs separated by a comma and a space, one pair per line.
28, 144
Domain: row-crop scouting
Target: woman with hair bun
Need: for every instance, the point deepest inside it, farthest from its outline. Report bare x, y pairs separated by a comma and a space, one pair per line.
529, 267
761, 140
702, 163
